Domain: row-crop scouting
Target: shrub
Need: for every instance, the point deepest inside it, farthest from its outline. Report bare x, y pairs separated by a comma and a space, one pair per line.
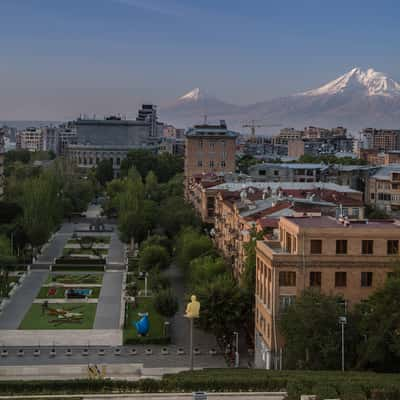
166, 303
324, 391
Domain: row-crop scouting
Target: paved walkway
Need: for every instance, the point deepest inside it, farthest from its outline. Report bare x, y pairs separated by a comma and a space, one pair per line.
180, 324
116, 251
109, 302
21, 301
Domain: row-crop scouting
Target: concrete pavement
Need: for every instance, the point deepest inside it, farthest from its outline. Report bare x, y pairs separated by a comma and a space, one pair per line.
109, 303
21, 301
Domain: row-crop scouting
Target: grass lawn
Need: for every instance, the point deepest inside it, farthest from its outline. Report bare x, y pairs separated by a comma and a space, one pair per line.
34, 319
60, 292
96, 279
155, 319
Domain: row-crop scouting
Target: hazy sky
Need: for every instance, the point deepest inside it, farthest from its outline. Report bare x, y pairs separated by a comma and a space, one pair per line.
62, 57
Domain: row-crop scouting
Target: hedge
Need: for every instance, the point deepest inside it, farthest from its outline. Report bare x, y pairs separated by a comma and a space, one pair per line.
85, 268
163, 340
65, 260
349, 385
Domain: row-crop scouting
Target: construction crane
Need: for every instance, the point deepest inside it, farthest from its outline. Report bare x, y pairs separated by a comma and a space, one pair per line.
253, 126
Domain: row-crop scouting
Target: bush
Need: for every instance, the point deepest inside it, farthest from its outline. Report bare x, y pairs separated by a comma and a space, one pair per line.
159, 282
153, 257
324, 391
166, 303
162, 340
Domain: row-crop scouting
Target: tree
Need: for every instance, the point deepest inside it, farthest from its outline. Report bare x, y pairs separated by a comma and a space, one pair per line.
104, 172
205, 269
153, 257
142, 160
379, 327
166, 303
222, 306
190, 245
151, 186
175, 214
312, 332
156, 239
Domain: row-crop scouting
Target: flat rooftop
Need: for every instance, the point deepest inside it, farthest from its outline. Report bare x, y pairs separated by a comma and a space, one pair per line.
330, 222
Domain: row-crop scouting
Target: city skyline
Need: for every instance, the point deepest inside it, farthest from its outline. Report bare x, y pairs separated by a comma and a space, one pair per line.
156, 51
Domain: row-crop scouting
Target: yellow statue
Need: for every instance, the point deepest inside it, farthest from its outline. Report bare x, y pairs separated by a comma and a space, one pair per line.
193, 308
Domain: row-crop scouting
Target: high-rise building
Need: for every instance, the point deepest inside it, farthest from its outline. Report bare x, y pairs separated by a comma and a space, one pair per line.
381, 139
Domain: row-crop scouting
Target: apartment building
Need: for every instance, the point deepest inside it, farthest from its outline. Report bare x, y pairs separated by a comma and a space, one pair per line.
209, 149
237, 213
31, 139
383, 189
331, 255
382, 140
296, 172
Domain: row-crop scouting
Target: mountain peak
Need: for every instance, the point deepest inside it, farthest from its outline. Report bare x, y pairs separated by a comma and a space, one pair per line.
193, 95
368, 82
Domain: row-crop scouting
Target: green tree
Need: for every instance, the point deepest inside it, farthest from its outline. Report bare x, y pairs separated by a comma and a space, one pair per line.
166, 303
152, 189
190, 245
205, 269
379, 327
153, 257
312, 332
222, 306
104, 172
141, 160
175, 213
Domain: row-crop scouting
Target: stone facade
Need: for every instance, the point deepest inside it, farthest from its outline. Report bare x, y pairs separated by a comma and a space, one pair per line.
209, 149
333, 256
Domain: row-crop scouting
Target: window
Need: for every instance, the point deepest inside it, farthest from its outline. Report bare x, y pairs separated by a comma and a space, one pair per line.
285, 302
340, 279
262, 172
393, 247
276, 172
366, 279
316, 246
315, 278
199, 163
212, 145
356, 212
223, 164
287, 278
211, 163
367, 247
341, 246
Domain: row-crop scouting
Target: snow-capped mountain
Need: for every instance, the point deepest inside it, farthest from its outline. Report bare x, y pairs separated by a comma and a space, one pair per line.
357, 99
357, 81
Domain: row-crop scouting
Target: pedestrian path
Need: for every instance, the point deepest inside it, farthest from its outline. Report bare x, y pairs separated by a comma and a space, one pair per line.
22, 299
109, 302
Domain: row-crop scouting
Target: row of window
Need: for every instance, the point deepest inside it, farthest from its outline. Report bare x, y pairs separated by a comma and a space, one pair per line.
367, 247
288, 278
211, 144
211, 163
89, 161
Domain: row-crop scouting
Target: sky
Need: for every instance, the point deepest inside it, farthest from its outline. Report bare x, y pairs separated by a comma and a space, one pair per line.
60, 58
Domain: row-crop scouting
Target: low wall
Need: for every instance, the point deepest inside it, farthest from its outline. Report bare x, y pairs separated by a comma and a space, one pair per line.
62, 337
77, 371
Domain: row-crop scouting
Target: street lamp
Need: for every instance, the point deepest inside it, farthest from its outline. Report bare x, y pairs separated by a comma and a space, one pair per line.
145, 283
236, 334
342, 322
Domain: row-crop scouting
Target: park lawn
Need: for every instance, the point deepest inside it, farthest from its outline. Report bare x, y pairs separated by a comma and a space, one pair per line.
144, 304
60, 292
77, 279
35, 319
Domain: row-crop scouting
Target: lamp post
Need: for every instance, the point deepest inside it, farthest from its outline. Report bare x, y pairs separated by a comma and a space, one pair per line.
145, 284
237, 360
342, 322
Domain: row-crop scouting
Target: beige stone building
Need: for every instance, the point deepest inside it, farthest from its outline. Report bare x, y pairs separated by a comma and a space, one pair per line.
330, 255
383, 189
209, 149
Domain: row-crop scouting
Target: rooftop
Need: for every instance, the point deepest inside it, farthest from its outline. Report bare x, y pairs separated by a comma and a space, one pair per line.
330, 222
384, 173
291, 166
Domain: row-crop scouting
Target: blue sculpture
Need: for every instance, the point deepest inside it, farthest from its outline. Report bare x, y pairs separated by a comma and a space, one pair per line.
143, 325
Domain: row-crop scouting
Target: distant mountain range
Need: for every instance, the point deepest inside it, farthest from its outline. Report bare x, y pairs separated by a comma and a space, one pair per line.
357, 99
